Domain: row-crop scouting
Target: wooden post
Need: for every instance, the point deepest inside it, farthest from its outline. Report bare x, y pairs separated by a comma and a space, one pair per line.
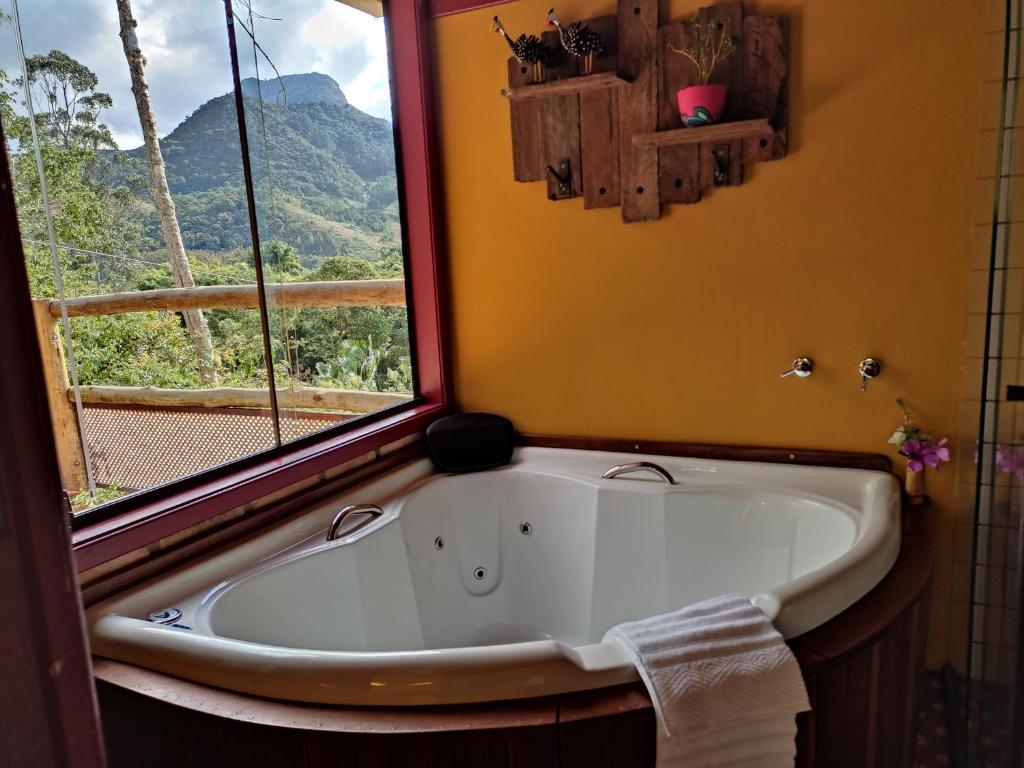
63, 419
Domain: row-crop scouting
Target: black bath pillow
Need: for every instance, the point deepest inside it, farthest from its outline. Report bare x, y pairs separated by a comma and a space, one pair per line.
468, 442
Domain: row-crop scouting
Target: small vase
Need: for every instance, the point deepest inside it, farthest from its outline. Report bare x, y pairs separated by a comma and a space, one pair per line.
701, 104
914, 487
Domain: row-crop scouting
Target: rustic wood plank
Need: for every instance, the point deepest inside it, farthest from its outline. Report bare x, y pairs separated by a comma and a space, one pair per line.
560, 120
135, 725
730, 74
893, 671
527, 144
861, 705
806, 725
917, 640
598, 81
638, 108
606, 728
599, 127
599, 149
766, 42
829, 741
560, 125
63, 418
678, 165
720, 133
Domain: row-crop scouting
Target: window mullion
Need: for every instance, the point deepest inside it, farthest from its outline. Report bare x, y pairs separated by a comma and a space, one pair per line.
250, 198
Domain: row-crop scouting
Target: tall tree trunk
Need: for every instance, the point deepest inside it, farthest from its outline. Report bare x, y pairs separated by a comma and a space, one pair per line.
194, 319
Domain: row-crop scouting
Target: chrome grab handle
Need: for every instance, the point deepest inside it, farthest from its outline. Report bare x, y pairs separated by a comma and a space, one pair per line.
639, 466
372, 510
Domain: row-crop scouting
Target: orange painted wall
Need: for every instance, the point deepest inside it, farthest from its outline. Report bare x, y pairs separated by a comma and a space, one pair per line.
571, 322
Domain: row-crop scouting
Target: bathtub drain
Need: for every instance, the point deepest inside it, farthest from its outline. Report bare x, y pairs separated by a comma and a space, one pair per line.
479, 572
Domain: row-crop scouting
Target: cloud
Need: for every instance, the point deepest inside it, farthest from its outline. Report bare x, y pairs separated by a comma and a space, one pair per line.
337, 31
185, 43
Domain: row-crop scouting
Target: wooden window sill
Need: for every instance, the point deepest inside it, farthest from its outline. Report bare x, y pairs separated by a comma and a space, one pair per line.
146, 523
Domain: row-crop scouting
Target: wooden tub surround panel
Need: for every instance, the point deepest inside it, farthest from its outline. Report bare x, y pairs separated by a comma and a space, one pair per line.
862, 669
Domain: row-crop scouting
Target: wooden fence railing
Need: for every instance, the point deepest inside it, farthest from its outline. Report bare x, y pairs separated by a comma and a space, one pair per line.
332, 294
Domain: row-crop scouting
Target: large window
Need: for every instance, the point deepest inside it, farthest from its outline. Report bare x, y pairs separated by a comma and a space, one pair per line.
211, 216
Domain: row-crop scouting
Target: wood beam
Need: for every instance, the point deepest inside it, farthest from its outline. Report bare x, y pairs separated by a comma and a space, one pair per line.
351, 401
329, 294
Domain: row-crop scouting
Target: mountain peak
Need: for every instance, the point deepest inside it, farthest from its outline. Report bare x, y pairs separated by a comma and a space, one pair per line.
296, 89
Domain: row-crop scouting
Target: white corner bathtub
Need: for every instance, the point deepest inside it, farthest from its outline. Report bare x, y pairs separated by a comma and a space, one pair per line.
501, 584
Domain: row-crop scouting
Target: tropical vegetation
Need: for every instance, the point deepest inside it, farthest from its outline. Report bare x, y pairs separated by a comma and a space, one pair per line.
326, 191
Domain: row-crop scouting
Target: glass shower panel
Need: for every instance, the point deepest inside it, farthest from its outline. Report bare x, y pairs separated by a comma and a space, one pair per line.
988, 725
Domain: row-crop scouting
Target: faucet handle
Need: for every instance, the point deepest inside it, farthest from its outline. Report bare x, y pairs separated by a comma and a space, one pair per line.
869, 368
802, 368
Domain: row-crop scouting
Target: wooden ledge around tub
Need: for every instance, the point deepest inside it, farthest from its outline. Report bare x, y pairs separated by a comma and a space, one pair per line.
804, 457
861, 670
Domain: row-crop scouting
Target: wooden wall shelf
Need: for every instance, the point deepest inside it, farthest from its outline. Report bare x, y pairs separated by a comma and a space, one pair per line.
570, 85
705, 134
615, 137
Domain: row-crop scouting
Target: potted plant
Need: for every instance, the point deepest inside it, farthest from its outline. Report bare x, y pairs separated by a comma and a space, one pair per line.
921, 450
709, 43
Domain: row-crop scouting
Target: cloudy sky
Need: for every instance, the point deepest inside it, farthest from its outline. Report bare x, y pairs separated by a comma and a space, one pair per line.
185, 43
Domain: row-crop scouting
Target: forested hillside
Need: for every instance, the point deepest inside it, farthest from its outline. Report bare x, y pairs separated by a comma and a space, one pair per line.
330, 189
327, 211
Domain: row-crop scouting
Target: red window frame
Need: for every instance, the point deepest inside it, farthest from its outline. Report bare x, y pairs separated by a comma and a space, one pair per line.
190, 501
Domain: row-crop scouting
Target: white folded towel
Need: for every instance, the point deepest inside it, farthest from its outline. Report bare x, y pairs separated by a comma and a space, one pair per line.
725, 686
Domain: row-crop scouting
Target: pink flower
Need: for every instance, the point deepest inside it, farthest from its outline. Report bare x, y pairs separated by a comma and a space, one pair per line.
1010, 459
925, 453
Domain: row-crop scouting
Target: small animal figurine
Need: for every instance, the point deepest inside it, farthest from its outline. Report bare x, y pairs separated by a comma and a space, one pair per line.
578, 40
526, 48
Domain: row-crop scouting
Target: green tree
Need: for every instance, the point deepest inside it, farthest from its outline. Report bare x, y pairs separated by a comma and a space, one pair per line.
280, 260
66, 89
390, 263
89, 217
161, 192
354, 347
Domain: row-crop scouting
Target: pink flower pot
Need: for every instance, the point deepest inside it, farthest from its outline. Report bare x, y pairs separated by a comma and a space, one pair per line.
701, 104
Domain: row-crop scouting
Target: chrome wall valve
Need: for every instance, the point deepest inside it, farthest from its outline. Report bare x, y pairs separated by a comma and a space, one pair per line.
869, 368
802, 368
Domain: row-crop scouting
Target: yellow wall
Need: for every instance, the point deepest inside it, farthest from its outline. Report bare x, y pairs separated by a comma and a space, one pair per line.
571, 322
